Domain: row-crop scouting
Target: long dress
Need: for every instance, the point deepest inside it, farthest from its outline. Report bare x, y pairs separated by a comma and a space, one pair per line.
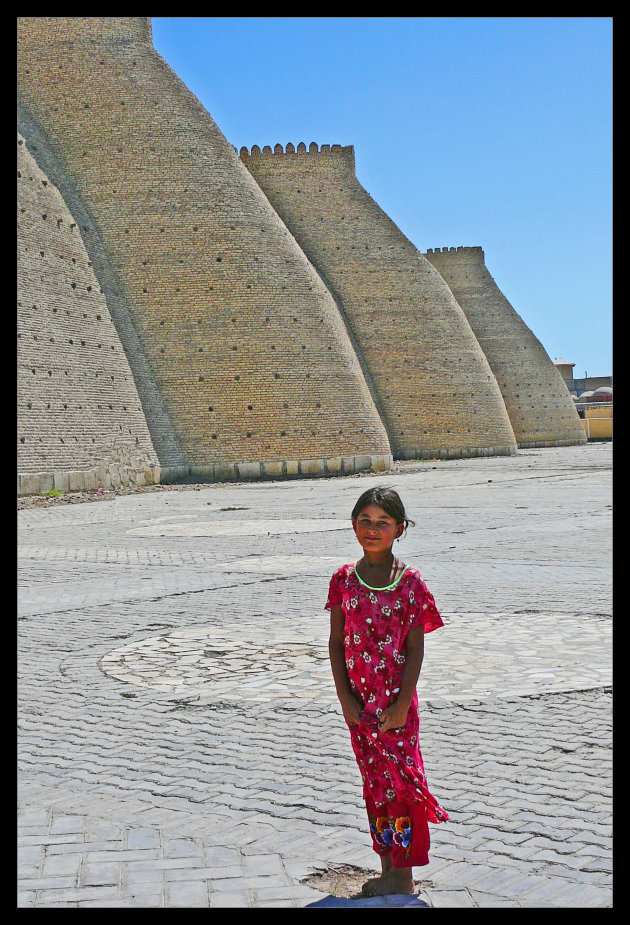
398, 801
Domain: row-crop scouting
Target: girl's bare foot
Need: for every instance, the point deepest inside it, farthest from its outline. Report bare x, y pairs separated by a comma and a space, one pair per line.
395, 880
386, 866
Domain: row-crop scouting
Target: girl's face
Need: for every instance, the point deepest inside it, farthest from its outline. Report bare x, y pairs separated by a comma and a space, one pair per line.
376, 530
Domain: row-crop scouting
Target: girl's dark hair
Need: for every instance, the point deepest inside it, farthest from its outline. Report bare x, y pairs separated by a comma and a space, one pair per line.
386, 498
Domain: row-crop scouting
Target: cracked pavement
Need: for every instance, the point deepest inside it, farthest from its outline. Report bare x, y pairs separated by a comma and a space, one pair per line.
180, 743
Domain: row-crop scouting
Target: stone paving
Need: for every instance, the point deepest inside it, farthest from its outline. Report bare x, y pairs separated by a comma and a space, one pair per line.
180, 742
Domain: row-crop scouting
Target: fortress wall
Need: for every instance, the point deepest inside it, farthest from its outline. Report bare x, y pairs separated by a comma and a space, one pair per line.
80, 419
539, 405
162, 434
431, 382
241, 335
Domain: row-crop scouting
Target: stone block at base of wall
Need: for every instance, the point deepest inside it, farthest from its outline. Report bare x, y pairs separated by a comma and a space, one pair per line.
273, 470
46, 482
112, 476
249, 470
309, 467
75, 481
60, 482
334, 465
537, 444
117, 475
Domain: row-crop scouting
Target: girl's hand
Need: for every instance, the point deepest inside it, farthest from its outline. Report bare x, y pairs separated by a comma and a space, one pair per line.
352, 710
393, 717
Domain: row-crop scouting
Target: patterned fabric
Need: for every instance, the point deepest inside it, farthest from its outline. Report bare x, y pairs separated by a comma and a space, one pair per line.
402, 833
376, 624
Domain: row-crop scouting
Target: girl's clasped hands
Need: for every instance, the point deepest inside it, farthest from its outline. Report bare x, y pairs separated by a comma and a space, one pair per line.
393, 717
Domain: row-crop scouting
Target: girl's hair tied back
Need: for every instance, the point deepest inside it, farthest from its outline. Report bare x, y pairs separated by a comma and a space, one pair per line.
386, 498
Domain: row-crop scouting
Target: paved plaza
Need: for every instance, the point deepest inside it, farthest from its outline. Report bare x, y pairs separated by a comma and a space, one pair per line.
180, 741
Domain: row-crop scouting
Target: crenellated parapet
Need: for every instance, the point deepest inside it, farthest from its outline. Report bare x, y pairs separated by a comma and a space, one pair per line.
459, 253
344, 151
322, 160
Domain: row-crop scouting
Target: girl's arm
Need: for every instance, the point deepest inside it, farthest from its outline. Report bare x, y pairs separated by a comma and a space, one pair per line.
350, 705
395, 715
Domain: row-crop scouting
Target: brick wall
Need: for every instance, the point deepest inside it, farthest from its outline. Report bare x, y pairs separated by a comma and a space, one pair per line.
538, 402
79, 413
245, 344
432, 384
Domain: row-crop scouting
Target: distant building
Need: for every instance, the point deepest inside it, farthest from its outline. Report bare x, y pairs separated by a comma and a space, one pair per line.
578, 386
593, 397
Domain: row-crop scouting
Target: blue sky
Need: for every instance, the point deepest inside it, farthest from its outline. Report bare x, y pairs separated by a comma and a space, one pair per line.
491, 131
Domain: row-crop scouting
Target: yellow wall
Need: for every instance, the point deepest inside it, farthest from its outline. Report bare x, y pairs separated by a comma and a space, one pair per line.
600, 411
597, 422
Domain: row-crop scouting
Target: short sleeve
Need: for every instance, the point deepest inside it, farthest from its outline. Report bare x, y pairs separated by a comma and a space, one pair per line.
334, 591
424, 611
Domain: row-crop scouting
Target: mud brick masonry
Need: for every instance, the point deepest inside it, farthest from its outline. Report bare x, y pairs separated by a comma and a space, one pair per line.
186, 312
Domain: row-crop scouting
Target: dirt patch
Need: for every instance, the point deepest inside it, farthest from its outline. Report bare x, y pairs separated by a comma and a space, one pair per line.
343, 881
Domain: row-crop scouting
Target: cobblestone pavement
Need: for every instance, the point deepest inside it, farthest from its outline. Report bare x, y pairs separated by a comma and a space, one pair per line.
180, 741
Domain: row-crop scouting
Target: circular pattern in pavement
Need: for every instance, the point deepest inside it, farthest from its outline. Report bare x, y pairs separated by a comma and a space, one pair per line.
204, 660
475, 656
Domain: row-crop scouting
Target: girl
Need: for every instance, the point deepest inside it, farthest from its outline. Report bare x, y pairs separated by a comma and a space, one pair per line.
380, 610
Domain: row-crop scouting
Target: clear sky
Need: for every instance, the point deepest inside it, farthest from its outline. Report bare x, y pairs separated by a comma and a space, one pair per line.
491, 131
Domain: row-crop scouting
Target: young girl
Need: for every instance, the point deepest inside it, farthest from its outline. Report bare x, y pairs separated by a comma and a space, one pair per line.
380, 610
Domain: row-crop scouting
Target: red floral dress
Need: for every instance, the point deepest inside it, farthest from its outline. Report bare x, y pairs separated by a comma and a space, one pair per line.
377, 621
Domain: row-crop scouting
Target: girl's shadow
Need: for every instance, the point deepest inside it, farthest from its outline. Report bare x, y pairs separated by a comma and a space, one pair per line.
359, 902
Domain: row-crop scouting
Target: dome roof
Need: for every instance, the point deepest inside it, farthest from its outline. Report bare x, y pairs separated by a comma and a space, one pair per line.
603, 390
